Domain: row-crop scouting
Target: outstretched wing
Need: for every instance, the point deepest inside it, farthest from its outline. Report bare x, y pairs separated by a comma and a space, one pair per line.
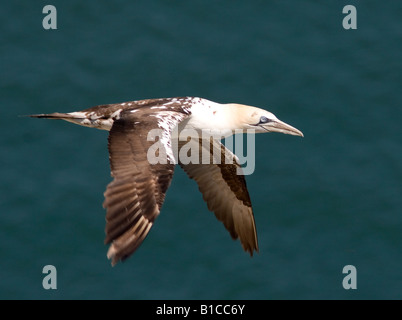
223, 189
134, 198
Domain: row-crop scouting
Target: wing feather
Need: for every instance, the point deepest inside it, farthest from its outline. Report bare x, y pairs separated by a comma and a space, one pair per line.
225, 192
134, 198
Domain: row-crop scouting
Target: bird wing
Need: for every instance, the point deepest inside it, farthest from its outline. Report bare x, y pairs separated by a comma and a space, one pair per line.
134, 198
223, 186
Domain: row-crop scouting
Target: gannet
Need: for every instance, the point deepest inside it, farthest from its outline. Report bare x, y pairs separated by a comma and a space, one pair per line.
134, 198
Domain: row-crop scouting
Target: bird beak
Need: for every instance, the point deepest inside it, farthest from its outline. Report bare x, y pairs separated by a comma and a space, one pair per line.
280, 126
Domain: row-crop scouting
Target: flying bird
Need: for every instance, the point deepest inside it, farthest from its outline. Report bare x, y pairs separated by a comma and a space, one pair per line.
134, 198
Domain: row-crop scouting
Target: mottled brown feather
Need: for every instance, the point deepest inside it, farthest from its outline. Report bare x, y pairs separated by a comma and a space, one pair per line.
225, 192
134, 198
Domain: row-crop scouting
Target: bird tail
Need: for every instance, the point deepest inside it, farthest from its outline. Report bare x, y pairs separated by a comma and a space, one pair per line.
55, 115
80, 118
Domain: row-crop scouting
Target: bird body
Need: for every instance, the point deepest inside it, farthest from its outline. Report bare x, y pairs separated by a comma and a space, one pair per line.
135, 196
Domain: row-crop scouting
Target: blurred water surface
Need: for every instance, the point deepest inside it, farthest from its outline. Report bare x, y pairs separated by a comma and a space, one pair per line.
328, 200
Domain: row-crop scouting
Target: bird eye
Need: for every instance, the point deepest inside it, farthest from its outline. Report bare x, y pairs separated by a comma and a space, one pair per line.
264, 119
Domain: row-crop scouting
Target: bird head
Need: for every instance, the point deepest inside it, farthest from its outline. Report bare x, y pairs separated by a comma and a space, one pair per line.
261, 121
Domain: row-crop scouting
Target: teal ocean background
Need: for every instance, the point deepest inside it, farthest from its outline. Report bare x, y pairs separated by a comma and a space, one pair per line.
331, 199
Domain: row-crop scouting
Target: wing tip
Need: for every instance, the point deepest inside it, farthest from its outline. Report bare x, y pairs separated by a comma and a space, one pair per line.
251, 247
111, 255
251, 250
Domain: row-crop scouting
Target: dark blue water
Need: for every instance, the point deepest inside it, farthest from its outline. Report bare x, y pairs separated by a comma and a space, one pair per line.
331, 199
